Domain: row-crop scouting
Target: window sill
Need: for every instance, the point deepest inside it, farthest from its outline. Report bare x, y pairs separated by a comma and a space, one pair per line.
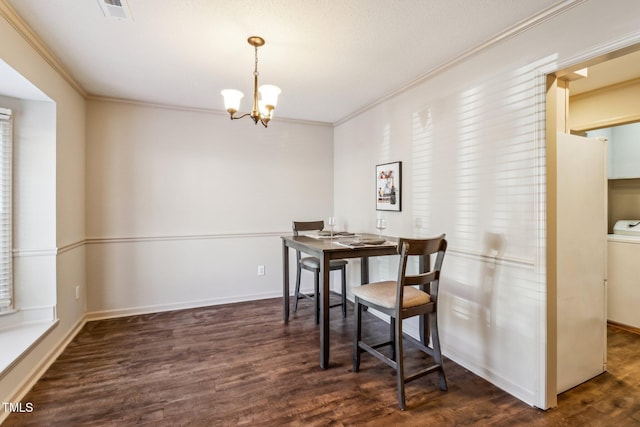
16, 341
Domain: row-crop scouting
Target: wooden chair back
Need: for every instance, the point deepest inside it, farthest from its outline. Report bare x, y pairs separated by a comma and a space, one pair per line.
307, 226
299, 226
429, 277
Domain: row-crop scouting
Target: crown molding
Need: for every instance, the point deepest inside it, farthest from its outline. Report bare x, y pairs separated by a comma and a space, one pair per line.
10, 15
174, 107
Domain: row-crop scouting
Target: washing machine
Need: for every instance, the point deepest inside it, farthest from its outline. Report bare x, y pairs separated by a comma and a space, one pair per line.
623, 273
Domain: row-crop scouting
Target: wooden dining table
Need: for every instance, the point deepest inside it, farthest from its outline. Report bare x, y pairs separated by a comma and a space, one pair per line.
326, 249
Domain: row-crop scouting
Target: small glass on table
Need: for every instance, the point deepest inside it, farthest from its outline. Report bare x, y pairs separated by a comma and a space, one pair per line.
381, 224
332, 224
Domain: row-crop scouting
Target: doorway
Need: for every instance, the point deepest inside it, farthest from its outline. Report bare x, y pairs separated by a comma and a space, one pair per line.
614, 76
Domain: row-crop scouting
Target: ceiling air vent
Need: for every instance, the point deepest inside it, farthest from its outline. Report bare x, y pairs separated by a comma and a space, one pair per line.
117, 9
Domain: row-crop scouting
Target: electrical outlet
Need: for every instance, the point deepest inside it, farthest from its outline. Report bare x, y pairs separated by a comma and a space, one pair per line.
261, 270
77, 292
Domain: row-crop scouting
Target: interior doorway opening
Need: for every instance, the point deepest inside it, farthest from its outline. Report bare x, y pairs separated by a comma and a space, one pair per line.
588, 96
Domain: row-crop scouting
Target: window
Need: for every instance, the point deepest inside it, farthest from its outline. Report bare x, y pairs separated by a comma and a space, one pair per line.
6, 256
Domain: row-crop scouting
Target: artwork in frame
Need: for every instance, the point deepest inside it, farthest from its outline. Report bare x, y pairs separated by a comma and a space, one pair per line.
388, 187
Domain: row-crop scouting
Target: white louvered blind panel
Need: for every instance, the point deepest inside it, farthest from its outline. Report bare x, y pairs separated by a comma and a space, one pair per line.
6, 258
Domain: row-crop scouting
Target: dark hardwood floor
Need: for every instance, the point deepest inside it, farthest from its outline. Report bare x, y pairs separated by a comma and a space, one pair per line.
238, 364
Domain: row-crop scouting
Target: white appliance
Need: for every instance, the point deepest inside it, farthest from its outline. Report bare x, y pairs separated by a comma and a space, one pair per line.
627, 227
623, 273
581, 259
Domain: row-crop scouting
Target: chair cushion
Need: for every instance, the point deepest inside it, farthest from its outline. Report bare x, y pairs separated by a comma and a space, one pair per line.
313, 262
384, 295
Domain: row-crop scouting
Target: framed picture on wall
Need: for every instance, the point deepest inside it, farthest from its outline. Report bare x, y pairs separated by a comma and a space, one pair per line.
388, 187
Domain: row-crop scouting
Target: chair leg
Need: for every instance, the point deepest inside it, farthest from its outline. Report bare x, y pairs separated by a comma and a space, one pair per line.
399, 363
297, 292
392, 337
437, 355
357, 335
344, 292
316, 296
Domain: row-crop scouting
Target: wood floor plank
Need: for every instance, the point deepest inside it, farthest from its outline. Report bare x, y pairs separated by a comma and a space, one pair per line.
238, 364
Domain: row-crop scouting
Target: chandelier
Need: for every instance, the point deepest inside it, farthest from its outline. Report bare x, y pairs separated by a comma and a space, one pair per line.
264, 105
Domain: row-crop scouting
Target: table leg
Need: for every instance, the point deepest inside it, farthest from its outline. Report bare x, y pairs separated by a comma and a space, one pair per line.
324, 312
364, 270
364, 274
285, 281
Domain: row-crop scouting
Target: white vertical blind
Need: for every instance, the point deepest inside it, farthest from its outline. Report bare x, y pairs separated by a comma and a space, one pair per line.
6, 258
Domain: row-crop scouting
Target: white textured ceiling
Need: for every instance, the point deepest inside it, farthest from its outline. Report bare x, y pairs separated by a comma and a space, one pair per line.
330, 57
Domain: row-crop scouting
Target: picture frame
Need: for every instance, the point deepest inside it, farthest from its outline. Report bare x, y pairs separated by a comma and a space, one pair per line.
389, 187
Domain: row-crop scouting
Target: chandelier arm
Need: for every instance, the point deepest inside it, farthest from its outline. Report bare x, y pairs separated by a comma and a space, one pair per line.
240, 117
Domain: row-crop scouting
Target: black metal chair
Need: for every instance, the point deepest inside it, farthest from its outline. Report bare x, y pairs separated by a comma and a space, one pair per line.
386, 296
313, 264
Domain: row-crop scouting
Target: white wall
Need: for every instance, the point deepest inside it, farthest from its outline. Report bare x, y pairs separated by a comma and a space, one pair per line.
183, 205
471, 140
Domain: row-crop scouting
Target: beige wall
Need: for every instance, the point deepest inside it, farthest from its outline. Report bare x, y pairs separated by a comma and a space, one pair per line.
183, 205
61, 253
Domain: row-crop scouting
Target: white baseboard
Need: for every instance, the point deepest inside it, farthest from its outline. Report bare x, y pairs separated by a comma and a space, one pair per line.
158, 308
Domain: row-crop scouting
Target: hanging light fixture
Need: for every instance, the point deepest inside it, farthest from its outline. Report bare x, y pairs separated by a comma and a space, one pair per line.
263, 107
